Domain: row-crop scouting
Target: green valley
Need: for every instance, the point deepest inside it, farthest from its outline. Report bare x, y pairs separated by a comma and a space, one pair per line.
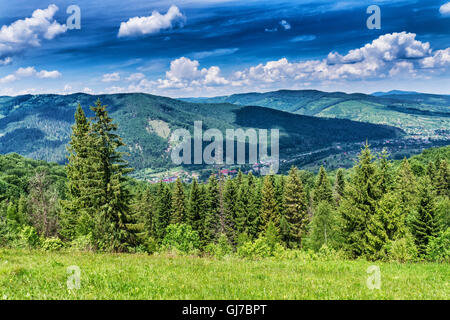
38, 126
419, 115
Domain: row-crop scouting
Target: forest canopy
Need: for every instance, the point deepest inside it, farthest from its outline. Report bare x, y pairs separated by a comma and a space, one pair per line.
380, 209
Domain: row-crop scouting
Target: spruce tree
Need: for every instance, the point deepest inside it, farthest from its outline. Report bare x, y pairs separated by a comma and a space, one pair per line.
387, 224
107, 181
242, 209
230, 203
406, 188
79, 199
359, 203
196, 207
142, 215
296, 209
322, 189
393, 218
279, 184
375, 238
443, 179
147, 211
163, 207
212, 213
324, 226
385, 174
248, 208
242, 203
339, 185
425, 225
268, 209
178, 203
239, 179
431, 172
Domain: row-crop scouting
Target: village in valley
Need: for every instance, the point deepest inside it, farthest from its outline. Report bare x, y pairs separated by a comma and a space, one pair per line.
333, 157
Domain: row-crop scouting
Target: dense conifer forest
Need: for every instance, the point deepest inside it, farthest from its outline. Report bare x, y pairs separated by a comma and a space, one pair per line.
379, 210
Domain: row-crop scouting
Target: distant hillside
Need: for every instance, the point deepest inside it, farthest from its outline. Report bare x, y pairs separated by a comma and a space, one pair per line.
39, 126
16, 171
397, 92
425, 115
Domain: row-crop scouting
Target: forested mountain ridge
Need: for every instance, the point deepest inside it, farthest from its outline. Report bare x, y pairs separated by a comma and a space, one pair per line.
379, 210
39, 126
424, 115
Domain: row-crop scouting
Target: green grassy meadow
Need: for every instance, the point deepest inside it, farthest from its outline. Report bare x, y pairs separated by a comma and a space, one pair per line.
28, 274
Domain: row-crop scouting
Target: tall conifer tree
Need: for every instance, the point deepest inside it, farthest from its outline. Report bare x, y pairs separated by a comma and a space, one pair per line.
322, 189
443, 179
163, 207
74, 211
212, 213
425, 225
339, 185
196, 207
142, 215
248, 207
406, 188
296, 208
230, 203
385, 174
359, 203
108, 183
178, 203
324, 226
268, 210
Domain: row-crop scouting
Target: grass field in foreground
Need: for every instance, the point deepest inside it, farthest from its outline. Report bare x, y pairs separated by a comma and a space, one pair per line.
43, 275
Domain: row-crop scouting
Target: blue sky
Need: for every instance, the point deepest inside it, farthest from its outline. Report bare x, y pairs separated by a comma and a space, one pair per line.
208, 48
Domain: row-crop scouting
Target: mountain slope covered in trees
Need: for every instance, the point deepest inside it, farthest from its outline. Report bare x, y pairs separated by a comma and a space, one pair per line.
39, 126
379, 209
426, 115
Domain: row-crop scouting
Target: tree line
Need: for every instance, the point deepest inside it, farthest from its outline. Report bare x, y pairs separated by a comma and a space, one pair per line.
375, 210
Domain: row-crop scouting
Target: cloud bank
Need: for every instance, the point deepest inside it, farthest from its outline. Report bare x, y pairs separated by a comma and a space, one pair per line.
152, 24
29, 32
110, 77
387, 56
390, 56
30, 72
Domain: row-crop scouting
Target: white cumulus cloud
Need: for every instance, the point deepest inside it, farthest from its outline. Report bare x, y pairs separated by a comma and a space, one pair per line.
44, 74
152, 24
285, 24
110, 77
439, 59
29, 32
390, 55
185, 72
445, 9
30, 72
